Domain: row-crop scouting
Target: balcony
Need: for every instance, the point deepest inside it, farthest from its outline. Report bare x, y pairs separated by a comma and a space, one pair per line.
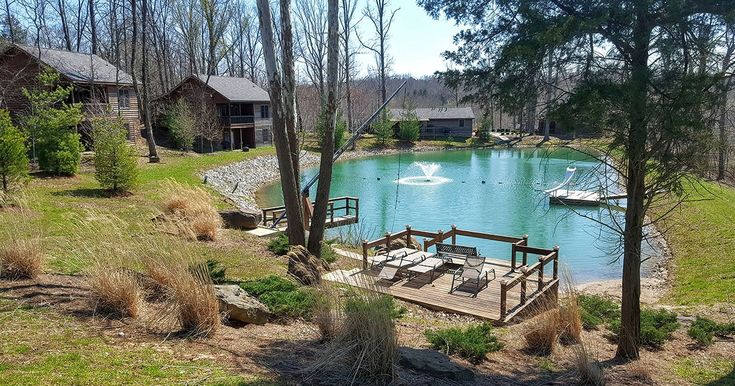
237, 120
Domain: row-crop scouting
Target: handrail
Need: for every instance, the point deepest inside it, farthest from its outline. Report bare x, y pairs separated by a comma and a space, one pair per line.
546, 256
344, 203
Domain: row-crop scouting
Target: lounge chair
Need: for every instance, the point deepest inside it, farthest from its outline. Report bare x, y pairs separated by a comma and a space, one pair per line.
473, 271
393, 266
430, 264
445, 253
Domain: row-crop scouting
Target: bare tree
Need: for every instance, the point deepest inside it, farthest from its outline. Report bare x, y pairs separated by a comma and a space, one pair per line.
318, 220
381, 18
311, 41
349, 7
283, 111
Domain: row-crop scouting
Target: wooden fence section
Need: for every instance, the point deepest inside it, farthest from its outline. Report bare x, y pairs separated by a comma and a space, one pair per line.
514, 281
340, 211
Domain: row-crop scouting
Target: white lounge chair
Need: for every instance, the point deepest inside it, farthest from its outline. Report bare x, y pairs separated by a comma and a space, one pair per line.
473, 271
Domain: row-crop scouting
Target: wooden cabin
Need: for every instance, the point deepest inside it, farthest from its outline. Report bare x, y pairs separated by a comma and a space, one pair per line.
241, 107
441, 122
101, 87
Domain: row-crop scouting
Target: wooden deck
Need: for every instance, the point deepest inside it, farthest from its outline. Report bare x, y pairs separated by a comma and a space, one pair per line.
436, 296
340, 211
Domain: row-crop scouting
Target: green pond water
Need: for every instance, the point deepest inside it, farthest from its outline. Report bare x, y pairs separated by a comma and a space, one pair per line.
509, 202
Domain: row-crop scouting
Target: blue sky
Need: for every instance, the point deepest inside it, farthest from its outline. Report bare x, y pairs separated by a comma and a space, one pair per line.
416, 41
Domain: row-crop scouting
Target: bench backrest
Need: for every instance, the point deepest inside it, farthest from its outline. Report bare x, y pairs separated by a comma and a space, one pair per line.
452, 250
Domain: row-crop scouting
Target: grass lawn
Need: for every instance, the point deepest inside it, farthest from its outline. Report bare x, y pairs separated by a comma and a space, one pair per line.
61, 207
701, 235
39, 347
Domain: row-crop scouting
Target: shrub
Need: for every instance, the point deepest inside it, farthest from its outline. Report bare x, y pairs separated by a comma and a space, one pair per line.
50, 123
193, 297
114, 292
181, 124
383, 128
328, 254
542, 332
410, 126
21, 259
340, 132
13, 153
596, 310
279, 245
703, 330
189, 211
268, 284
656, 327
290, 304
283, 297
472, 343
339, 129
60, 155
115, 161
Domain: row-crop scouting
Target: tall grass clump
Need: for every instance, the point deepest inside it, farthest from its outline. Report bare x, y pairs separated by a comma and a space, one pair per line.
570, 314
328, 311
472, 343
21, 258
587, 367
542, 332
366, 341
189, 212
114, 291
194, 301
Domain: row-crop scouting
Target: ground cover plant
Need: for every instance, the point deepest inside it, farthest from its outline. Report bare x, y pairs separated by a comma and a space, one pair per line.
656, 327
284, 298
472, 343
279, 245
596, 310
704, 330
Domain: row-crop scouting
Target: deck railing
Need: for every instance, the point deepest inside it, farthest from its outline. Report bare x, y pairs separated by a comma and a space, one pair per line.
336, 207
543, 287
236, 119
519, 245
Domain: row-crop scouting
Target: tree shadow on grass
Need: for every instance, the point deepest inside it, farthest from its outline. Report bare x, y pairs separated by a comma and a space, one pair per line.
90, 193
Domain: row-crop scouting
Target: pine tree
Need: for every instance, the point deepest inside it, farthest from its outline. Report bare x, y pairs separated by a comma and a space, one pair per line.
115, 160
13, 152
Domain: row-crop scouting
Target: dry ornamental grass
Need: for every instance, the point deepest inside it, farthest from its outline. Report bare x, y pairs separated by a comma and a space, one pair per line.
188, 212
21, 259
114, 292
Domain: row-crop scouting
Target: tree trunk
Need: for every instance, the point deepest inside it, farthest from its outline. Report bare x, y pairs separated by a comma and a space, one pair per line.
629, 334
549, 91
289, 89
296, 235
722, 119
318, 220
93, 27
152, 151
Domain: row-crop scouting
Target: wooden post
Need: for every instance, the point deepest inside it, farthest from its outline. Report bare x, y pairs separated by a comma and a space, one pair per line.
364, 254
440, 236
541, 273
525, 254
454, 234
357, 209
408, 235
503, 299
387, 241
513, 257
556, 262
426, 242
331, 211
523, 289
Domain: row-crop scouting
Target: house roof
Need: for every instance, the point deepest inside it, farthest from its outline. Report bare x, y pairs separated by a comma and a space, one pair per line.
235, 89
425, 114
77, 66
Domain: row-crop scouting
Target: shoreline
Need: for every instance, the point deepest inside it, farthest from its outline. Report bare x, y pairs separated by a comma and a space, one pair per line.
241, 189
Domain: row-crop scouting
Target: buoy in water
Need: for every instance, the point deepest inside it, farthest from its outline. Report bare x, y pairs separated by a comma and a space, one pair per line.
483, 181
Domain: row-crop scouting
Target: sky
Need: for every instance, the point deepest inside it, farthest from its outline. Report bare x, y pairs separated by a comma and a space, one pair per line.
416, 41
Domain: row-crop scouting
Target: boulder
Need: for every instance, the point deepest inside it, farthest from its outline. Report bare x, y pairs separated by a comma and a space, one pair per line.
236, 219
399, 243
433, 363
304, 266
240, 306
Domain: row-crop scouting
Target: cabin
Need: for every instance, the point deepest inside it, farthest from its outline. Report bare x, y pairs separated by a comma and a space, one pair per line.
101, 88
441, 122
240, 107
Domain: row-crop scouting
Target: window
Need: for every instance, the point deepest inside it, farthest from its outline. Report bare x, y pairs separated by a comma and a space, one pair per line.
264, 113
461, 123
123, 99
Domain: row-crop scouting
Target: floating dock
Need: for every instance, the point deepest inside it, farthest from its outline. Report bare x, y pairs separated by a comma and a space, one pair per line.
575, 197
